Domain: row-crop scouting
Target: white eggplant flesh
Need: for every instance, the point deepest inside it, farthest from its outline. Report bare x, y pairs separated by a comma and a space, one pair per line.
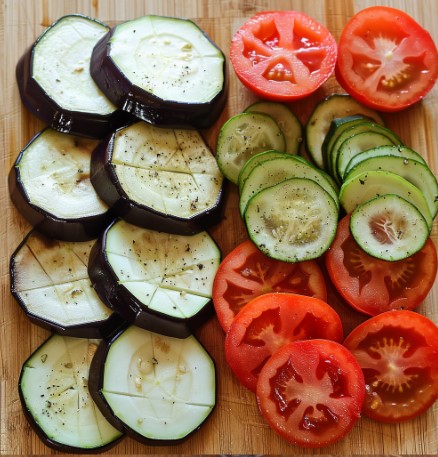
158, 387
54, 391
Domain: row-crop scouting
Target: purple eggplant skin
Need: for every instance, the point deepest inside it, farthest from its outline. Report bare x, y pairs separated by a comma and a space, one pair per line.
49, 442
146, 106
82, 229
93, 330
40, 104
105, 181
95, 386
122, 301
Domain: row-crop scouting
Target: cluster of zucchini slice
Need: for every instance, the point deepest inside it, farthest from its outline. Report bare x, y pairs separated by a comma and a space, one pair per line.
290, 207
386, 186
119, 189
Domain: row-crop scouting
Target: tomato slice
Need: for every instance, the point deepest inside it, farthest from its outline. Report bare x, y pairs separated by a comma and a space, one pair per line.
386, 59
246, 273
283, 55
311, 392
270, 321
398, 354
373, 286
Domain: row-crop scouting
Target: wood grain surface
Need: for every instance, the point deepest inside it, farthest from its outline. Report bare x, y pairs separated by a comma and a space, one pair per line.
235, 427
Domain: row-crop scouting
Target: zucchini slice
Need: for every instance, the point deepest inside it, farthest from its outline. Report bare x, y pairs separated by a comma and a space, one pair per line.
156, 388
288, 122
369, 184
50, 185
273, 171
355, 144
53, 389
163, 70
254, 161
243, 136
159, 281
417, 173
292, 221
55, 84
389, 227
159, 178
388, 150
332, 107
337, 126
49, 280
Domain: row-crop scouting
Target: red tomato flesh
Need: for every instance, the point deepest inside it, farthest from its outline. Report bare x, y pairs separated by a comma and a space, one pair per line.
246, 273
270, 321
311, 392
386, 59
373, 286
398, 353
283, 55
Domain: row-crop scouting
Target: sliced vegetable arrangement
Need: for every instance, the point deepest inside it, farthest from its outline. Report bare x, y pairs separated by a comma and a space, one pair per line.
55, 84
386, 59
156, 280
53, 388
154, 388
163, 70
49, 184
341, 193
283, 55
159, 178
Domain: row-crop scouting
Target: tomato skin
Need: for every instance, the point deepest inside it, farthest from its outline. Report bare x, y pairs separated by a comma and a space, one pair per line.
283, 55
311, 392
398, 353
270, 321
386, 60
373, 286
246, 272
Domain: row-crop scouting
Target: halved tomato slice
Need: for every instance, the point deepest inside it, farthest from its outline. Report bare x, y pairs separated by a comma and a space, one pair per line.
372, 285
311, 392
386, 59
270, 321
283, 55
398, 354
246, 273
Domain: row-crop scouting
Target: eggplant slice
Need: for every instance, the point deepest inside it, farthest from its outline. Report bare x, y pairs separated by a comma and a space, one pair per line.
157, 389
159, 178
163, 70
55, 84
158, 281
53, 389
50, 281
50, 186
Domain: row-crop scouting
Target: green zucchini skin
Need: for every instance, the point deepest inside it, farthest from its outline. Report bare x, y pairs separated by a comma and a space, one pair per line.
40, 104
96, 387
107, 185
147, 106
123, 302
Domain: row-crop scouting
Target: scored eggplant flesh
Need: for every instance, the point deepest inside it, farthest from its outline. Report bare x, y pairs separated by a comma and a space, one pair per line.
55, 84
159, 281
159, 178
163, 70
53, 389
157, 388
50, 186
50, 281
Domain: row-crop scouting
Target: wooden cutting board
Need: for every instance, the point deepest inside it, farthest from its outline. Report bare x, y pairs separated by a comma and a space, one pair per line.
235, 426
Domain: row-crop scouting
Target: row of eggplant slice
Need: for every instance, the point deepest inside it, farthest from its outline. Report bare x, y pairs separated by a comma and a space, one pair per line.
98, 66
